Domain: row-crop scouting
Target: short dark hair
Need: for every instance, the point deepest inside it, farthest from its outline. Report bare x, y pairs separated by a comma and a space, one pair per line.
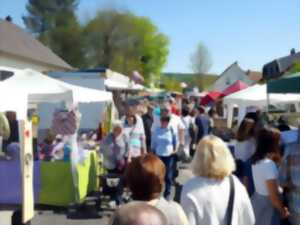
145, 177
267, 142
165, 118
185, 111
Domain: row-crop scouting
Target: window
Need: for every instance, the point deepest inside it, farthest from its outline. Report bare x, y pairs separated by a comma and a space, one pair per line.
5, 74
228, 81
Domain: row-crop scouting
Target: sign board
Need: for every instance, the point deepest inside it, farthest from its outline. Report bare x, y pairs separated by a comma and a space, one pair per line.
25, 130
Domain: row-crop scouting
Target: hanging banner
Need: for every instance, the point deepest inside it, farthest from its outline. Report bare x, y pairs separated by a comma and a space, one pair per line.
25, 130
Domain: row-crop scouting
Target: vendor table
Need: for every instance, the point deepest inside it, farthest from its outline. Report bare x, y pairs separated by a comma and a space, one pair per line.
53, 181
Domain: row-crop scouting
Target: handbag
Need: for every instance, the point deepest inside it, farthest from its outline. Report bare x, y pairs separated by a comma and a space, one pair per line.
229, 212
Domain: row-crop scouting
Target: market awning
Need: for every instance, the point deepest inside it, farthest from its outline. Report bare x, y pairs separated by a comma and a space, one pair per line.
211, 97
286, 84
235, 87
29, 86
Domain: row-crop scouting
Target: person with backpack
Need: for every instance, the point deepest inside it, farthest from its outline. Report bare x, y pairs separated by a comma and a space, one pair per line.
163, 144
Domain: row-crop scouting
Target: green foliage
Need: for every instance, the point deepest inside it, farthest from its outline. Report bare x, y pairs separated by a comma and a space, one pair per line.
202, 81
170, 84
124, 42
56, 25
295, 68
201, 60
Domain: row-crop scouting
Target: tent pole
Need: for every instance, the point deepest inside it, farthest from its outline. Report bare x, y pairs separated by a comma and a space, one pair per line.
268, 98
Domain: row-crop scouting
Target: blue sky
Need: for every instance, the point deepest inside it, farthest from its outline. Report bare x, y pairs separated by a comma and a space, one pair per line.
252, 32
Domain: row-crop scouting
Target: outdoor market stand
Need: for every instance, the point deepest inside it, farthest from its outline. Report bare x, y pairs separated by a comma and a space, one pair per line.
254, 96
30, 87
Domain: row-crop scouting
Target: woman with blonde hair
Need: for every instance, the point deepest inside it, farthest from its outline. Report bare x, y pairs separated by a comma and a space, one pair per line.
215, 196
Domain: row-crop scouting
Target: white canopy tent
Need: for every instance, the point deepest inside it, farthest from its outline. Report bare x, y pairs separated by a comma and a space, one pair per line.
28, 86
254, 96
25, 87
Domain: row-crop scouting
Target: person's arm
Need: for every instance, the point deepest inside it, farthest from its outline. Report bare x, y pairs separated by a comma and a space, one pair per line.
283, 173
5, 126
181, 133
272, 187
181, 215
153, 142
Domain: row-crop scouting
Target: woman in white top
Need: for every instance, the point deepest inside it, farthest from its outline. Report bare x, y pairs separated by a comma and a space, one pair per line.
134, 137
245, 146
145, 177
205, 197
266, 200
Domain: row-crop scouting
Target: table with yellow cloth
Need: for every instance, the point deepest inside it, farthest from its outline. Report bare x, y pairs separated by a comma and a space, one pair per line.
57, 187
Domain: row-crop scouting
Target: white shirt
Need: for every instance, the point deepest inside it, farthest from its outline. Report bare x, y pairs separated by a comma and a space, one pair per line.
263, 171
176, 124
245, 149
205, 201
187, 122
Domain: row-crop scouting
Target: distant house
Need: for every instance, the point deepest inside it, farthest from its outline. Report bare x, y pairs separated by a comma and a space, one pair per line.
233, 73
19, 49
280, 66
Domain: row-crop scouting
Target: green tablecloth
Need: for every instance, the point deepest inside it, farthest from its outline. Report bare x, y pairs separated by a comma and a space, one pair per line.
57, 186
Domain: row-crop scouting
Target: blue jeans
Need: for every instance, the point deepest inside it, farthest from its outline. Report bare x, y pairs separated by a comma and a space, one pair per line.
169, 164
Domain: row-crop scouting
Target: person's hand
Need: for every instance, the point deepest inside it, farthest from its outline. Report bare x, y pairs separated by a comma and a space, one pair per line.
284, 213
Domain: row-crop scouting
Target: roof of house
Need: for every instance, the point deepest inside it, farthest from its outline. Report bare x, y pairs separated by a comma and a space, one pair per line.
254, 75
235, 64
281, 65
17, 42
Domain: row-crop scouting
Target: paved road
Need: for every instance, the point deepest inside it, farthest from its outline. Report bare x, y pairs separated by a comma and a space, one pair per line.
50, 218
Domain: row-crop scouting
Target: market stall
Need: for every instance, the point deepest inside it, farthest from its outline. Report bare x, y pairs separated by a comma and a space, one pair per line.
26, 87
254, 96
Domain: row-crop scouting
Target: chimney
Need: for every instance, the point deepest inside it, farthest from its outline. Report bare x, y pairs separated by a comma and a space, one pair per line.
293, 51
8, 18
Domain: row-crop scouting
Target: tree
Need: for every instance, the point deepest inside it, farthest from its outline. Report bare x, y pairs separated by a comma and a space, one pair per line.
125, 42
201, 61
55, 24
295, 68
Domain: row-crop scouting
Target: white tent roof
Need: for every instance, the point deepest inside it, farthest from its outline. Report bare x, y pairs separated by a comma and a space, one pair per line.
254, 96
28, 86
257, 95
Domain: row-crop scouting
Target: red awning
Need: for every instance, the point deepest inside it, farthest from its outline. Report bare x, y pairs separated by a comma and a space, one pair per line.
211, 97
235, 87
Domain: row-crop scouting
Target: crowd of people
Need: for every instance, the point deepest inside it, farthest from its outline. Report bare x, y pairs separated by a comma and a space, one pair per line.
255, 182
